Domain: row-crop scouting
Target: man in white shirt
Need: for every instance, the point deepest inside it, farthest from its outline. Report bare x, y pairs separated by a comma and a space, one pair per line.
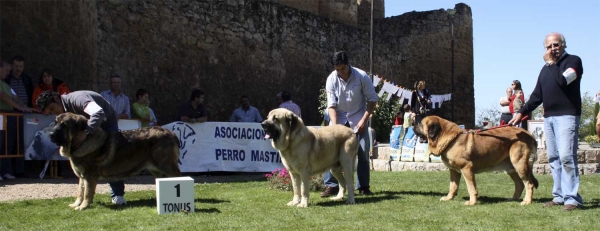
287, 103
351, 99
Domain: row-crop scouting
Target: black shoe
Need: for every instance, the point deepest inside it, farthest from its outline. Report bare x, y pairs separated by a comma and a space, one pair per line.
330, 191
551, 204
569, 207
365, 191
22, 175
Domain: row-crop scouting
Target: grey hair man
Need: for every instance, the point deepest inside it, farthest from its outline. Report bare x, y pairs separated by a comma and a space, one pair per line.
558, 88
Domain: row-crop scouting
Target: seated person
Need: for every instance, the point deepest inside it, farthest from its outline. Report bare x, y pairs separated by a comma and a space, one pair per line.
141, 109
246, 113
193, 111
47, 82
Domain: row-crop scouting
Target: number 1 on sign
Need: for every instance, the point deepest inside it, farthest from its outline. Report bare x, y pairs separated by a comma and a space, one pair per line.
178, 187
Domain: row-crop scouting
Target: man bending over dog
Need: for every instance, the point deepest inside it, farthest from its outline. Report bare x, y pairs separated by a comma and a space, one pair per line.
351, 99
99, 113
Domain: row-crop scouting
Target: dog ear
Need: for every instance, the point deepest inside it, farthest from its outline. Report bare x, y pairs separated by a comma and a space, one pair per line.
433, 130
81, 123
293, 119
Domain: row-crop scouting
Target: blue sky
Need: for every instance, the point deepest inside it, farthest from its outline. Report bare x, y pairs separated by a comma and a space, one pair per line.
508, 40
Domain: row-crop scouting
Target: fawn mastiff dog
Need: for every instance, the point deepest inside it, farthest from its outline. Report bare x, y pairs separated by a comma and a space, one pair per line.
308, 151
510, 149
113, 155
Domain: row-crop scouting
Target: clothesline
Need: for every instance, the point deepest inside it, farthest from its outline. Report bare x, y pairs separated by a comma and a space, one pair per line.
404, 93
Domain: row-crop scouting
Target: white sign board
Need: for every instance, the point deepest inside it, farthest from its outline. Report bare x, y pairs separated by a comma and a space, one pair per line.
174, 195
224, 146
127, 124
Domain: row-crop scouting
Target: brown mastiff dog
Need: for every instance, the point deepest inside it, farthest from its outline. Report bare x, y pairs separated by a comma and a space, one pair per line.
113, 156
464, 152
308, 151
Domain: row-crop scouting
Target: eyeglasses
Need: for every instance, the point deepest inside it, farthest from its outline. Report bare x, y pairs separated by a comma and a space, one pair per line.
553, 45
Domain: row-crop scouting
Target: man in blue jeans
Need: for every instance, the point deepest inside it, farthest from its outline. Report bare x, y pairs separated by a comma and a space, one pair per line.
351, 99
558, 88
99, 113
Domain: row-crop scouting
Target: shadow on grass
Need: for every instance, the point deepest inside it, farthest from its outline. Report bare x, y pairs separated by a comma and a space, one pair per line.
210, 201
152, 203
363, 199
134, 203
422, 193
496, 200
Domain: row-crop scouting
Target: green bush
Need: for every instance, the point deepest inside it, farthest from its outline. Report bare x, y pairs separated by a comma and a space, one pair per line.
591, 139
594, 120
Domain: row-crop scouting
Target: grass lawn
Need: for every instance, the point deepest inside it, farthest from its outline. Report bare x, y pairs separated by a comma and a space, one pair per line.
402, 201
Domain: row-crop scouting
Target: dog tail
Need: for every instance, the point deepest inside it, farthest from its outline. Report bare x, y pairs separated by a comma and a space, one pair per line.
533, 156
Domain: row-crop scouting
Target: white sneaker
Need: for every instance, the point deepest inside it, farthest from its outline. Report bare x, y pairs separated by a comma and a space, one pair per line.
119, 200
9, 177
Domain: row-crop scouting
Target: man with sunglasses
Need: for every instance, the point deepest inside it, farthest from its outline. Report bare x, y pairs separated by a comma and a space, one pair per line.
558, 88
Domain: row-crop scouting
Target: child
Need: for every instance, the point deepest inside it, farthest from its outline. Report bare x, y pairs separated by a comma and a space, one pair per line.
409, 119
518, 104
399, 118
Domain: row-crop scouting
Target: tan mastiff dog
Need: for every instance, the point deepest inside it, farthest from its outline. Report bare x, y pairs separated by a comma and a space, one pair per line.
510, 149
308, 151
113, 156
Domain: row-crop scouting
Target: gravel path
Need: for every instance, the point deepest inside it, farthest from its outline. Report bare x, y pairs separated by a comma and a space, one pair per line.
30, 188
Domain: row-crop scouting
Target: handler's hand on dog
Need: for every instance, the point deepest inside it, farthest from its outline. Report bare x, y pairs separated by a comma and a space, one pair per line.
515, 119
360, 127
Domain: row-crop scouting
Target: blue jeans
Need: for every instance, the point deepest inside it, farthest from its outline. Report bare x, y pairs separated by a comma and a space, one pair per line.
561, 142
117, 188
362, 168
12, 166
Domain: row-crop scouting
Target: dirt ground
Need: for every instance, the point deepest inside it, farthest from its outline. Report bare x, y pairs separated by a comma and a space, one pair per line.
35, 188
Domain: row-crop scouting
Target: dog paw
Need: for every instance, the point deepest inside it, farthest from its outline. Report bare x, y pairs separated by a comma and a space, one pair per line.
302, 205
470, 202
74, 205
79, 208
350, 202
525, 202
337, 198
445, 198
292, 203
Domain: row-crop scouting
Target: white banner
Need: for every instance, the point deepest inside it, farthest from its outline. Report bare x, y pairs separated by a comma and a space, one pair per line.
129, 124
224, 146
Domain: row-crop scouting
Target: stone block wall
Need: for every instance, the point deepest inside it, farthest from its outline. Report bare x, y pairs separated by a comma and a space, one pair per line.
587, 159
231, 48
55, 33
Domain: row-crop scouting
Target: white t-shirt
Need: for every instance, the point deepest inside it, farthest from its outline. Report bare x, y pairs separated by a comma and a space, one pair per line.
504, 109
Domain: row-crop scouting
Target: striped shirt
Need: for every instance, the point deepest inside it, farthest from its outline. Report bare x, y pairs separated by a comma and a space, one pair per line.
292, 107
19, 88
119, 102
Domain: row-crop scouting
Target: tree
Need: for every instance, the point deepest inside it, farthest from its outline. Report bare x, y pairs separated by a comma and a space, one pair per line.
596, 110
587, 115
491, 114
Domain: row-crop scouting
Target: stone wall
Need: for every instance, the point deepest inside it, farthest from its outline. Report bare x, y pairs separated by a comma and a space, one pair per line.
419, 48
364, 12
587, 159
55, 33
231, 48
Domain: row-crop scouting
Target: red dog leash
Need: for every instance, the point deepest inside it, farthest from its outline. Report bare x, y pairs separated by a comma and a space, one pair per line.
504, 125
